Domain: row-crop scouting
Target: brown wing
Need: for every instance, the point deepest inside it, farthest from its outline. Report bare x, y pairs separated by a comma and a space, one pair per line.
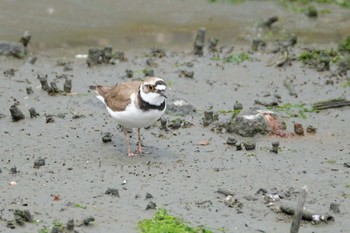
118, 97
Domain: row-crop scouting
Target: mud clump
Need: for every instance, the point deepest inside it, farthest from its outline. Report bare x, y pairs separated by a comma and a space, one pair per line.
112, 192
16, 113
180, 108
209, 118
275, 147
104, 56
151, 206
14, 49
43, 82
67, 86
298, 129
39, 162
20, 218
107, 137
199, 42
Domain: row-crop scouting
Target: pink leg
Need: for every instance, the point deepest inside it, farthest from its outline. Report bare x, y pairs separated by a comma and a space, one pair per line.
139, 147
127, 143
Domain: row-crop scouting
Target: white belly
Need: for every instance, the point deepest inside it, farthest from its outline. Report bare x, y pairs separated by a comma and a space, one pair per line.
136, 118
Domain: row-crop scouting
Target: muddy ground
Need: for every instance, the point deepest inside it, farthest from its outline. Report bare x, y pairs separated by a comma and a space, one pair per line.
184, 167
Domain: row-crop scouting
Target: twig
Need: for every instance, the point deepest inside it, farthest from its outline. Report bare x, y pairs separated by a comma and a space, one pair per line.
334, 103
298, 213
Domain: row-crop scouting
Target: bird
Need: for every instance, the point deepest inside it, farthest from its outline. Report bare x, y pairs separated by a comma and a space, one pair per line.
134, 104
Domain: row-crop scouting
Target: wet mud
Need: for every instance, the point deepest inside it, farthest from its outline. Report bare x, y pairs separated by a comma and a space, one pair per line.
63, 157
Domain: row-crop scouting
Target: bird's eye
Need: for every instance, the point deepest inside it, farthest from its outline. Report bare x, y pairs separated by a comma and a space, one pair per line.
150, 87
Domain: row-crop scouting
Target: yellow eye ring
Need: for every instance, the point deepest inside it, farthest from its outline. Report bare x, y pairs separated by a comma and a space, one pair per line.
150, 87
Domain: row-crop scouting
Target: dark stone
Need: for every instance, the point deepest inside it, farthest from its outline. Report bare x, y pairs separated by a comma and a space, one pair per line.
112, 192
39, 162
33, 113
88, 220
186, 74
148, 196
49, 119
231, 141
16, 114
67, 86
249, 145
151, 206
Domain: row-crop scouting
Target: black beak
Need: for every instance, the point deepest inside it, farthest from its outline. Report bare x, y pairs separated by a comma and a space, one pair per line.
162, 93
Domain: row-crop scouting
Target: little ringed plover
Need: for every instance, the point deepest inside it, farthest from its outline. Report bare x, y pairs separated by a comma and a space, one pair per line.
134, 104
